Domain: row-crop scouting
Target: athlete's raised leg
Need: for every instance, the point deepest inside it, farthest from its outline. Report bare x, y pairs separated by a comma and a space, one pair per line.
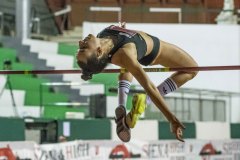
169, 56
124, 83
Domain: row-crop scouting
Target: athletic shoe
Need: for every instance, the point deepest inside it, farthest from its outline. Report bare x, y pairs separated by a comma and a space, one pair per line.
123, 131
138, 107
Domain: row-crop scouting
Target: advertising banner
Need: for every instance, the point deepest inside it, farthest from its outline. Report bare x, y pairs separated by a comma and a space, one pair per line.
106, 149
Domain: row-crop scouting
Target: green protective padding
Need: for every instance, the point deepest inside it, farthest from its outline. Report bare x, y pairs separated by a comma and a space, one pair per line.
129, 102
235, 130
165, 133
67, 49
70, 50
32, 98
12, 129
92, 129
58, 112
108, 79
28, 83
7, 54
22, 66
105, 78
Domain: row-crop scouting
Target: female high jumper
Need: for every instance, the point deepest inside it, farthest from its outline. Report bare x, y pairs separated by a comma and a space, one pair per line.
130, 49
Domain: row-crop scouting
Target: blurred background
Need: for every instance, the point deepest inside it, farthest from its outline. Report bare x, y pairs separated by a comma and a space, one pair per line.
68, 118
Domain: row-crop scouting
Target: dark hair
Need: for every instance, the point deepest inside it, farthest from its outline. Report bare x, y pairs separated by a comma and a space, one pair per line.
93, 65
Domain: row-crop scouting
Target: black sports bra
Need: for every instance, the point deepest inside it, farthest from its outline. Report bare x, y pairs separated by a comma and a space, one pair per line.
124, 36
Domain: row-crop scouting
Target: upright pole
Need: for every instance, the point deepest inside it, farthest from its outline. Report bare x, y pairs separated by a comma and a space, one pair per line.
23, 18
41, 100
12, 96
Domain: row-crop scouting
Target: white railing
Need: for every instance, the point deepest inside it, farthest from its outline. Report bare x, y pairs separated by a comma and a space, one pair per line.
169, 10
108, 9
37, 20
57, 103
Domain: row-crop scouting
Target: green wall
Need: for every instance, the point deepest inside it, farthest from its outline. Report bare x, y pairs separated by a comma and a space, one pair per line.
235, 130
165, 133
12, 129
97, 129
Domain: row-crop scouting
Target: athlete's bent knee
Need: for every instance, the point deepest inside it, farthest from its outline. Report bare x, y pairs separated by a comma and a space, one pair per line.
193, 73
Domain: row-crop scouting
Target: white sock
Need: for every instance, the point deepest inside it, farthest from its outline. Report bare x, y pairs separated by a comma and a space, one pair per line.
164, 88
123, 90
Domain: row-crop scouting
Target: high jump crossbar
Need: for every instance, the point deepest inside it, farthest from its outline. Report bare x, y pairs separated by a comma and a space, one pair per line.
167, 69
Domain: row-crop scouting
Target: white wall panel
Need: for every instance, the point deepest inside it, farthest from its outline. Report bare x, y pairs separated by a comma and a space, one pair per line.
144, 130
213, 130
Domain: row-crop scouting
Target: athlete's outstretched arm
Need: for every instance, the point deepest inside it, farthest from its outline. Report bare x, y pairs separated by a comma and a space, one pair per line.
132, 65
